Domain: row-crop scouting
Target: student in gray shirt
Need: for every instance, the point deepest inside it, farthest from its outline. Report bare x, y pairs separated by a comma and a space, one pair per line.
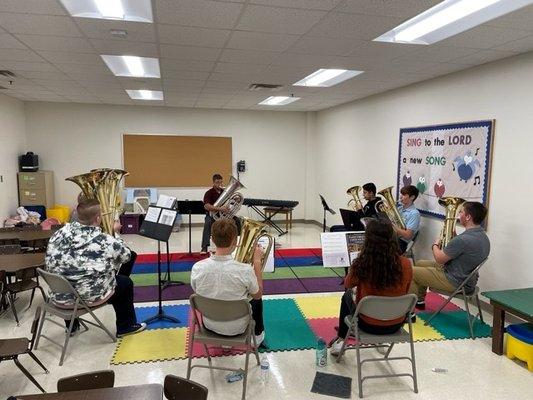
457, 260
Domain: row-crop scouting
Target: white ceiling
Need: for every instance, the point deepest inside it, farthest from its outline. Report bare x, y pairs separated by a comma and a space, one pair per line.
211, 51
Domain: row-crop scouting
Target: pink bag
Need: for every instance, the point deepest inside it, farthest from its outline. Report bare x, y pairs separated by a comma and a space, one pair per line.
48, 222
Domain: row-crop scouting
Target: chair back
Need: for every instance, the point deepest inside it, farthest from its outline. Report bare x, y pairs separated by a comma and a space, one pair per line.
180, 388
472, 274
87, 381
220, 310
386, 308
57, 283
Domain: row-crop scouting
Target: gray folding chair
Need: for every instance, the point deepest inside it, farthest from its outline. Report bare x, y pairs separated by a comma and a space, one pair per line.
385, 309
177, 388
221, 311
409, 252
59, 284
460, 292
87, 381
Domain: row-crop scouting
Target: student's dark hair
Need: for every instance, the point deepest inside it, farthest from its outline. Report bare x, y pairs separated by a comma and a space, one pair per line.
217, 176
476, 210
378, 263
410, 191
370, 187
87, 210
224, 232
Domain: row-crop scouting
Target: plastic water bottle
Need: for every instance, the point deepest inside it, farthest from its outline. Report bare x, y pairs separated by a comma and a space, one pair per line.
321, 353
265, 369
234, 376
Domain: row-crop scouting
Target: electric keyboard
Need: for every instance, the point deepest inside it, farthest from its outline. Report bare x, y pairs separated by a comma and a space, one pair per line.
270, 203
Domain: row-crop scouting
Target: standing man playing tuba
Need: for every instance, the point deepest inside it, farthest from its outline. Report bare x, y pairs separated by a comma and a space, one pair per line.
210, 198
410, 215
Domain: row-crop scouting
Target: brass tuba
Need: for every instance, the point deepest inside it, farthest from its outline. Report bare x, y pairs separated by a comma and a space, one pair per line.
355, 192
452, 206
102, 184
251, 232
230, 198
388, 206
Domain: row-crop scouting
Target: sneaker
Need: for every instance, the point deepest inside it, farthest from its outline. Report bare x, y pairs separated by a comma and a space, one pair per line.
336, 347
259, 338
135, 328
421, 305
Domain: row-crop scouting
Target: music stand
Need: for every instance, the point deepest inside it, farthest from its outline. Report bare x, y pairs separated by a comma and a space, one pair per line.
326, 208
191, 207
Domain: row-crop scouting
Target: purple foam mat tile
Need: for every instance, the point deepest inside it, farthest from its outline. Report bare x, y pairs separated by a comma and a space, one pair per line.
282, 286
150, 293
324, 284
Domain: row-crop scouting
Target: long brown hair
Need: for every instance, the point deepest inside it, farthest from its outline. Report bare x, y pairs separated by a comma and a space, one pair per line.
379, 262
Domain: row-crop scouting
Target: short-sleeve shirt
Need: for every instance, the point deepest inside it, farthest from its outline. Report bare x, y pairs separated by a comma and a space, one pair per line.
467, 251
211, 196
369, 210
223, 278
411, 217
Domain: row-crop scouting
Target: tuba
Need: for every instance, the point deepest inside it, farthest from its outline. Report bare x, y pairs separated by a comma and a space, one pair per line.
230, 198
388, 206
251, 232
356, 204
452, 206
103, 184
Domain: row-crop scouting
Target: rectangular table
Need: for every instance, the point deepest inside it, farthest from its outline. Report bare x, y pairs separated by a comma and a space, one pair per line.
518, 302
26, 236
139, 392
15, 262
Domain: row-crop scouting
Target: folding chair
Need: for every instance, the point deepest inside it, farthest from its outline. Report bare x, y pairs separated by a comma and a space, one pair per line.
385, 309
461, 292
177, 388
25, 279
87, 381
221, 311
11, 348
409, 253
59, 284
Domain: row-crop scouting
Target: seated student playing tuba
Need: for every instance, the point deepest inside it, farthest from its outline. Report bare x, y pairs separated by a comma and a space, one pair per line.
410, 215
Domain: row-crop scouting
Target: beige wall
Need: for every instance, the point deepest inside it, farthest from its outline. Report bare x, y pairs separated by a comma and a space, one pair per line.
12, 144
358, 142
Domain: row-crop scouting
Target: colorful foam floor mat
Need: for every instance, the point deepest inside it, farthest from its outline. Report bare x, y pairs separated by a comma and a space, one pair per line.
292, 323
296, 271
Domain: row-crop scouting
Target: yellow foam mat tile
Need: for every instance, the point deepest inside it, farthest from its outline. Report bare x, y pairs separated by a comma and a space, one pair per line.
319, 306
151, 345
422, 332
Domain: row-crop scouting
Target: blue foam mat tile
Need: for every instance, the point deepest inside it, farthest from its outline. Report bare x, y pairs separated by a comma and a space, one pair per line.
180, 312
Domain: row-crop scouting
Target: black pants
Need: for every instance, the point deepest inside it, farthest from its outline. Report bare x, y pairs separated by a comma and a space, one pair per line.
257, 315
125, 269
348, 308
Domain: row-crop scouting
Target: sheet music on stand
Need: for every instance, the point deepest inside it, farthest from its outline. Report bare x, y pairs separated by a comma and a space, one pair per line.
339, 249
159, 219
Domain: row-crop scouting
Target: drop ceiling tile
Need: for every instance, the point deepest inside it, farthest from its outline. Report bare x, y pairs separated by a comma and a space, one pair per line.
85, 78
184, 35
136, 84
438, 53
248, 56
519, 19
221, 91
325, 5
67, 91
198, 75
307, 60
168, 64
19, 55
485, 56
8, 41
189, 52
54, 83
443, 69
225, 85
278, 20
63, 57
238, 68
354, 26
324, 46
484, 37
177, 96
201, 13
124, 47
181, 92
97, 69
38, 24
51, 7
100, 29
186, 103
209, 104
391, 8
56, 43
173, 82
55, 75
233, 77
260, 41
521, 45
20, 66
214, 97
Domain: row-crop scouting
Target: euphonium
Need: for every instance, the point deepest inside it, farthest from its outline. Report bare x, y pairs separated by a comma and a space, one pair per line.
229, 198
251, 232
356, 204
388, 206
452, 206
103, 185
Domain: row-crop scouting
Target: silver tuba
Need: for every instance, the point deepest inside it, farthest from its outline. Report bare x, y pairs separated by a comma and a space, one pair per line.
229, 198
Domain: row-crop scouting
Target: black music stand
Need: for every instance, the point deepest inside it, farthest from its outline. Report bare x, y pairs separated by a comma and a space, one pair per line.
190, 207
326, 208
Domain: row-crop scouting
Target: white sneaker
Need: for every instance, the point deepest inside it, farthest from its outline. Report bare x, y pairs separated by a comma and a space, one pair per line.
259, 338
336, 347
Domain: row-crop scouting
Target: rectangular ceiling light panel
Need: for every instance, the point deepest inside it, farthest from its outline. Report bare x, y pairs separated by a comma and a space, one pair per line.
133, 66
145, 94
327, 77
449, 18
125, 10
278, 100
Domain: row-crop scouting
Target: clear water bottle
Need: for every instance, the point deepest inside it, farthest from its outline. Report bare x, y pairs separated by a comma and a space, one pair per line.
321, 353
265, 369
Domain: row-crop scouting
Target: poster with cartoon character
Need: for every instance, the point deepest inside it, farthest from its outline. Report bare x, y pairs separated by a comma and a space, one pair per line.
446, 160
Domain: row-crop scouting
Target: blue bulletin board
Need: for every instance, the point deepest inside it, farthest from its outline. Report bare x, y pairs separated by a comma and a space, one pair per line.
446, 160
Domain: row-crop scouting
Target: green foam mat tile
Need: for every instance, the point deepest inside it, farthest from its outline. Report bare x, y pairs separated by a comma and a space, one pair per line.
313, 272
151, 279
286, 327
454, 325
279, 273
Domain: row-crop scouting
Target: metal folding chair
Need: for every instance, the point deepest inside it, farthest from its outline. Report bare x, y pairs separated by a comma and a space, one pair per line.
177, 388
87, 381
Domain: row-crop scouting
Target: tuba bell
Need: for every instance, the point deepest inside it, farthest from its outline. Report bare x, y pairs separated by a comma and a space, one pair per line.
355, 203
251, 232
452, 206
388, 206
102, 184
229, 198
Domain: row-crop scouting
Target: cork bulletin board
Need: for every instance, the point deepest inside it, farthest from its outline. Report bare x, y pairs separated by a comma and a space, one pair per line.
175, 161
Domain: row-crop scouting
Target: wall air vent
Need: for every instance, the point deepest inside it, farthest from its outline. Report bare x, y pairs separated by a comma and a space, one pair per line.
256, 87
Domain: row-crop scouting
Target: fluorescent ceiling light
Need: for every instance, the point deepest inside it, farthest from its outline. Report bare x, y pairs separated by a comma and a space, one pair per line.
327, 77
278, 100
126, 10
145, 94
449, 18
133, 66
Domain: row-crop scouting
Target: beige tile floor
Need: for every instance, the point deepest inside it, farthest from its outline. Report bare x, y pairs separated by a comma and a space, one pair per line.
473, 371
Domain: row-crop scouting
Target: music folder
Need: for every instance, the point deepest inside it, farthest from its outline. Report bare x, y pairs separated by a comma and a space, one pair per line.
158, 223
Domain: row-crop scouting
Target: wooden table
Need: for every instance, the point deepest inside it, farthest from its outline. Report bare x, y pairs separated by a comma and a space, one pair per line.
15, 262
27, 236
138, 392
518, 302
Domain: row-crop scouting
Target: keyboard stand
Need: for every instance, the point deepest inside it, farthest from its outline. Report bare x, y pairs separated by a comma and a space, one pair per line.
268, 220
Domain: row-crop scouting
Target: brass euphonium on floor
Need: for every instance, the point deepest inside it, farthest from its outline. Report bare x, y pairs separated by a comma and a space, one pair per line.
452, 206
251, 232
388, 206
356, 203
230, 198
103, 184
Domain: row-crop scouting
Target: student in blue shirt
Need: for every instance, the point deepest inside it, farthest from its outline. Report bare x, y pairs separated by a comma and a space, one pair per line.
410, 215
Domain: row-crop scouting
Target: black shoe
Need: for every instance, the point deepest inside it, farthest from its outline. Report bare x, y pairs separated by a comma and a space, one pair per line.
75, 327
421, 305
413, 317
136, 328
